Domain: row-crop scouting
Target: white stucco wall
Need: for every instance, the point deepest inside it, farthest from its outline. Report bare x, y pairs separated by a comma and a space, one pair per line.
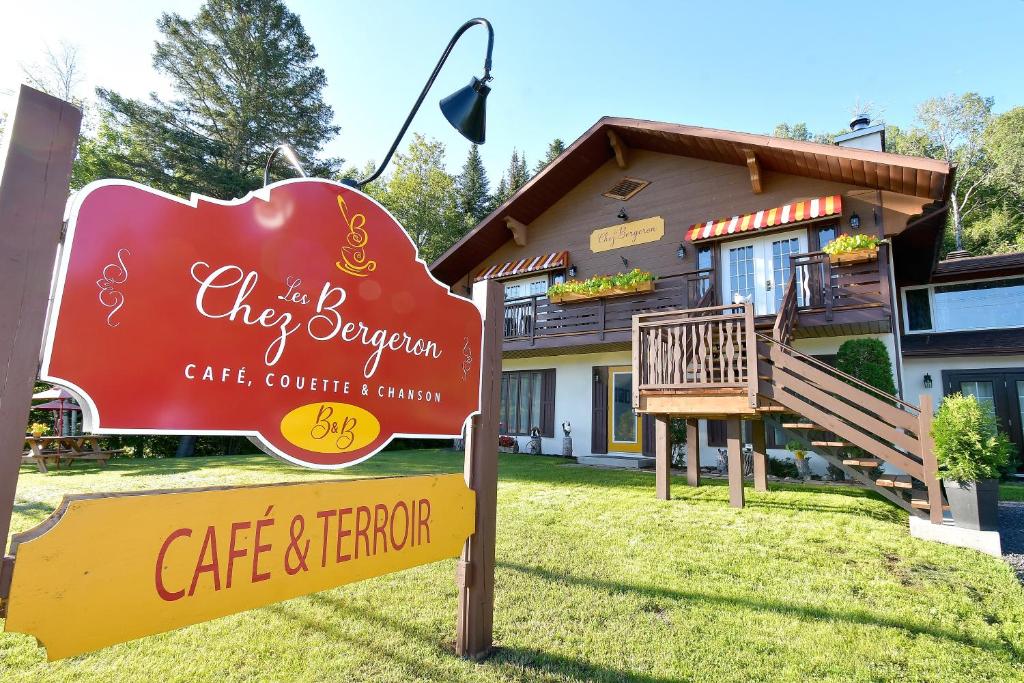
573, 393
914, 370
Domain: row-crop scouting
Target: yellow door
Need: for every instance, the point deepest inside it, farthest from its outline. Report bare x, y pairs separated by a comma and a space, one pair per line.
624, 426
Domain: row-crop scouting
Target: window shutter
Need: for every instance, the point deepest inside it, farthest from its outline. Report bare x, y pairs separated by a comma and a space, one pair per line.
599, 415
547, 404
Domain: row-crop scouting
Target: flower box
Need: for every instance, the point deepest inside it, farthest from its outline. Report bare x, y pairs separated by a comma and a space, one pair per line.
569, 297
856, 256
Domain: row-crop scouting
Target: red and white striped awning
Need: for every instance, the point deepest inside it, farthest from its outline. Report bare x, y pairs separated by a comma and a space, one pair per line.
809, 209
531, 264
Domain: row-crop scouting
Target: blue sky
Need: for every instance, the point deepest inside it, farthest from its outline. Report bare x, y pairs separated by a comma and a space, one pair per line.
559, 66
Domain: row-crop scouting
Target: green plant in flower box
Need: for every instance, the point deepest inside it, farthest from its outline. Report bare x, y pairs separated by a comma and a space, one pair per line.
845, 244
601, 283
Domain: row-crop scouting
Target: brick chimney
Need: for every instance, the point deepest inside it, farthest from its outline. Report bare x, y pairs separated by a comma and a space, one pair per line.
863, 135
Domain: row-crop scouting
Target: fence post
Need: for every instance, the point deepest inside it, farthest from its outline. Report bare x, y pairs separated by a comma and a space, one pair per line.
931, 466
475, 627
33, 192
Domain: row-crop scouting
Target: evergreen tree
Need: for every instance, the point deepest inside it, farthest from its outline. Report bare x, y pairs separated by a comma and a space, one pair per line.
244, 80
501, 194
556, 147
517, 173
473, 188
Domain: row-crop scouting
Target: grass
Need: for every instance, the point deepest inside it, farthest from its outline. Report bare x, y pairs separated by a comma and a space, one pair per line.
1011, 492
596, 579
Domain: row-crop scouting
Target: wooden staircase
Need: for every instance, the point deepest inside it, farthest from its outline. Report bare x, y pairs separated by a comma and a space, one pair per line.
712, 363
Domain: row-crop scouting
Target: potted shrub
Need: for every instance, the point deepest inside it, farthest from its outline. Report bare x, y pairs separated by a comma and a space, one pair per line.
852, 249
970, 450
37, 429
803, 468
507, 444
601, 286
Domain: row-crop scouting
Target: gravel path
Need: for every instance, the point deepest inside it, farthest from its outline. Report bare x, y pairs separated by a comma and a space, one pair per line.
1011, 535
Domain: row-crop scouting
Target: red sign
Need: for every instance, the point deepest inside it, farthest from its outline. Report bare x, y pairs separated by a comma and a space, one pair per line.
299, 316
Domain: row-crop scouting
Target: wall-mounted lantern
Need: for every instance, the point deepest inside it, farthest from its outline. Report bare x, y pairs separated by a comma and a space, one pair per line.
625, 262
622, 215
854, 222
681, 251
927, 381
572, 271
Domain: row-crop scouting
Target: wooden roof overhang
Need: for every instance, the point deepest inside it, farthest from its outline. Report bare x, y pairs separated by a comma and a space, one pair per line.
917, 176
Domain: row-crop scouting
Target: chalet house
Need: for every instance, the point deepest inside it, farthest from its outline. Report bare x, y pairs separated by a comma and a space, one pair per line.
738, 331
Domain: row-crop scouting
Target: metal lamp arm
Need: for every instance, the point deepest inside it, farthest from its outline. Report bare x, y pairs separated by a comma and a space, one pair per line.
430, 81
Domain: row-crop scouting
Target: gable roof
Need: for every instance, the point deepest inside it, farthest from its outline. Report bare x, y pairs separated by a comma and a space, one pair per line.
918, 176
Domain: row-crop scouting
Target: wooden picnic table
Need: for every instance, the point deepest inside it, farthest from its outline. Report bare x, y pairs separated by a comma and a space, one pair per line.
52, 450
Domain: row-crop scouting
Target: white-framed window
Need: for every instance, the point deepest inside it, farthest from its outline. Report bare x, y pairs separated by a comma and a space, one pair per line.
527, 286
964, 306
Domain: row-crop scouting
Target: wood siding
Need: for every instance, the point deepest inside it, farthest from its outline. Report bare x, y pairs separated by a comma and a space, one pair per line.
683, 191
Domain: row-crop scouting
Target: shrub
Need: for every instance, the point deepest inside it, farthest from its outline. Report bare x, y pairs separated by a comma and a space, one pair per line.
968, 443
798, 449
867, 360
782, 468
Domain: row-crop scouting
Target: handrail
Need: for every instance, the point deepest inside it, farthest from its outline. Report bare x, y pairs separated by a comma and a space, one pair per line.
811, 360
783, 329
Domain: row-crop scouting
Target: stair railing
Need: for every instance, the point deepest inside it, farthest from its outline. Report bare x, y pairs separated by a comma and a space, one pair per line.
785, 321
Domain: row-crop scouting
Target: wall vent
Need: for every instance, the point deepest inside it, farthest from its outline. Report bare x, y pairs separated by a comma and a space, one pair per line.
626, 188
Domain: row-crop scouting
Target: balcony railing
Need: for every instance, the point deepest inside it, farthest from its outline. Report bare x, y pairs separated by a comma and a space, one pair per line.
829, 286
530, 318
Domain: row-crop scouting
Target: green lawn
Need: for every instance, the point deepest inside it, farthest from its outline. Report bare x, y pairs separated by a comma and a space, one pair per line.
596, 580
1012, 492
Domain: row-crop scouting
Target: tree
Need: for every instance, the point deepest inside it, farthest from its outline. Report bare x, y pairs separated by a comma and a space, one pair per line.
473, 188
517, 173
244, 80
1004, 145
422, 196
799, 131
59, 74
956, 125
555, 148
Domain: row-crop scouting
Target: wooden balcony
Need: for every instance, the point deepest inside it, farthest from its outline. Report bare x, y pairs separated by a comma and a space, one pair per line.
831, 299
839, 298
537, 324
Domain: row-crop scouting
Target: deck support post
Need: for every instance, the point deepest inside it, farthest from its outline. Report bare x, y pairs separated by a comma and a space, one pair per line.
732, 442
33, 191
760, 456
692, 453
662, 457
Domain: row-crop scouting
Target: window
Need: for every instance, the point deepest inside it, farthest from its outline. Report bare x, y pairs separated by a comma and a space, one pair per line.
524, 287
527, 401
741, 271
826, 235
704, 258
978, 305
919, 312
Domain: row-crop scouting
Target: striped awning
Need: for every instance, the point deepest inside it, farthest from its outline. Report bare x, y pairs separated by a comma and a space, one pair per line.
809, 209
530, 264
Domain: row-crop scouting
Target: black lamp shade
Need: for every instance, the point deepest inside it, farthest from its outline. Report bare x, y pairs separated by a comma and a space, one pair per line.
466, 110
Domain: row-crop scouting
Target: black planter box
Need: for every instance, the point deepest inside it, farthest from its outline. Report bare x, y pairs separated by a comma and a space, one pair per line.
975, 505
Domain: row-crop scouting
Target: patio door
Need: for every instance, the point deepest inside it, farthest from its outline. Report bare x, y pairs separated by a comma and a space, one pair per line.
757, 270
625, 429
1001, 390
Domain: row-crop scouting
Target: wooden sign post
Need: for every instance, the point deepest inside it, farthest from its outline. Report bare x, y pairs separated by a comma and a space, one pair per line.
305, 300
474, 632
40, 147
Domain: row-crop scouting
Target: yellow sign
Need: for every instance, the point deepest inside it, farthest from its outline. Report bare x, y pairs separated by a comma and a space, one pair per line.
628, 234
330, 427
108, 568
